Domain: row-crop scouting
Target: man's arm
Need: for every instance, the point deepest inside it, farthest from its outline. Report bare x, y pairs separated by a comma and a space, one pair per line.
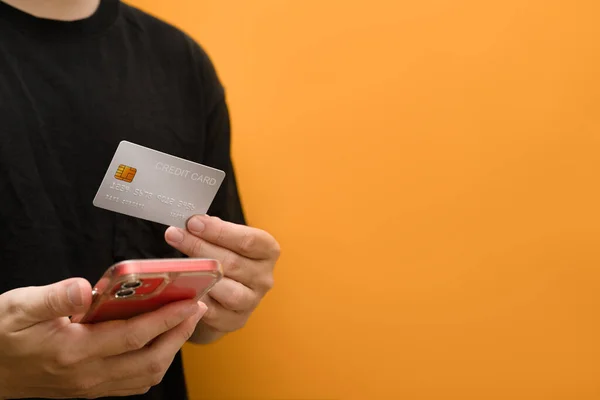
247, 255
227, 204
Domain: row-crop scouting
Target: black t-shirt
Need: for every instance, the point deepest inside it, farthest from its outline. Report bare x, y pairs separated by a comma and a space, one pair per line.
69, 93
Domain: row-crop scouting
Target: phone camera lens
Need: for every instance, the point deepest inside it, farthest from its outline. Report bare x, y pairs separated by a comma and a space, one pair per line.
124, 293
131, 285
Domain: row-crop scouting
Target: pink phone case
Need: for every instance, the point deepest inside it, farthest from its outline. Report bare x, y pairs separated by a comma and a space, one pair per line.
133, 287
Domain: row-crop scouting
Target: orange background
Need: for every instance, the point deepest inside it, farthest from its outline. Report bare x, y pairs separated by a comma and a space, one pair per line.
431, 170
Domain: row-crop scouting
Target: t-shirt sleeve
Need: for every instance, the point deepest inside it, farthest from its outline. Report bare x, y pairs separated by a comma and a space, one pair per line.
227, 204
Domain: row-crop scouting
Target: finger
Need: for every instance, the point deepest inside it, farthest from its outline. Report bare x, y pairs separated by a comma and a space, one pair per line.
24, 307
147, 365
118, 337
234, 265
220, 319
234, 296
168, 344
247, 241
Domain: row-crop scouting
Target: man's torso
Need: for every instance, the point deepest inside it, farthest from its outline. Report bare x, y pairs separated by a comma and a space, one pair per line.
68, 95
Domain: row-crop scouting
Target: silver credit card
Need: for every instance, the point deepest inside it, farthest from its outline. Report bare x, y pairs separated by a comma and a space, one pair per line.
155, 186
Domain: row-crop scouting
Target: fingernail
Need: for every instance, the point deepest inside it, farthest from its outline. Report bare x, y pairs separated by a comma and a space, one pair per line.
174, 235
196, 225
203, 309
74, 294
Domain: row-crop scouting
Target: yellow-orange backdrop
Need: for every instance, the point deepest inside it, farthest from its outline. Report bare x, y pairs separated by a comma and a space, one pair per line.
431, 171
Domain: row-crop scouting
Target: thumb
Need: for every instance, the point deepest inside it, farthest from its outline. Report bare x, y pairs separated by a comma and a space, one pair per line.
31, 305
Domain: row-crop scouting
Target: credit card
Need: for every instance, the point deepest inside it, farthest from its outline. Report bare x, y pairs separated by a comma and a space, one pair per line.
156, 186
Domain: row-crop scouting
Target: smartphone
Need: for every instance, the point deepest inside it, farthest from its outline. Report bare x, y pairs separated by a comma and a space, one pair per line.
134, 287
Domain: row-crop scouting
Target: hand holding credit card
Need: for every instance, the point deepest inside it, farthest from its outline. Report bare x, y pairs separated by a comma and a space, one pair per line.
156, 186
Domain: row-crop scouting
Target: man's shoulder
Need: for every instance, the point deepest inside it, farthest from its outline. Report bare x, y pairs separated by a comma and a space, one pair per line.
148, 23
162, 35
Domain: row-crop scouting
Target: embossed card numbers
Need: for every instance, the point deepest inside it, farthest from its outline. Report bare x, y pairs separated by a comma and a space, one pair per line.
156, 186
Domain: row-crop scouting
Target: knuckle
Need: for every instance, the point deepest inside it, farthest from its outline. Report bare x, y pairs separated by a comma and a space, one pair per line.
171, 320
248, 242
64, 359
13, 306
238, 324
156, 367
275, 249
220, 233
232, 263
267, 282
197, 247
52, 301
155, 380
187, 334
236, 299
133, 341
83, 387
169, 323
210, 314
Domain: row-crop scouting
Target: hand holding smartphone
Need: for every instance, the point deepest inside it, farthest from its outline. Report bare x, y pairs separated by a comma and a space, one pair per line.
134, 287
